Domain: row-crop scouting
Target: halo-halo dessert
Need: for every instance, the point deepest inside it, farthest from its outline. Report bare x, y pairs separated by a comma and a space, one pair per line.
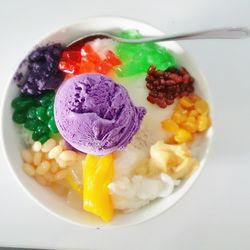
122, 154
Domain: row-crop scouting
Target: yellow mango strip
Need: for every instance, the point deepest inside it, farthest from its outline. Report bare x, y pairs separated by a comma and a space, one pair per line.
98, 172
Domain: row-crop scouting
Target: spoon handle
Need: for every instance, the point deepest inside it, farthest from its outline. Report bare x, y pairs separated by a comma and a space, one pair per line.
219, 33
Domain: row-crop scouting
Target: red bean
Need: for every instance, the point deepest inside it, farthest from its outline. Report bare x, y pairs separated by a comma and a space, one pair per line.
167, 85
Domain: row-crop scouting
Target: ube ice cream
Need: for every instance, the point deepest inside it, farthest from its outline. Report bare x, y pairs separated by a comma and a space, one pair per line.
95, 115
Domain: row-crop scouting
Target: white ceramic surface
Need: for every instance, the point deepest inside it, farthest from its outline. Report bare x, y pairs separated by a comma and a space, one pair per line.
48, 199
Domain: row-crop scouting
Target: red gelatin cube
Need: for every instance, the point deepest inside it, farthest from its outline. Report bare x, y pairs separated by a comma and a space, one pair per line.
104, 67
112, 58
89, 55
69, 60
72, 56
87, 67
66, 67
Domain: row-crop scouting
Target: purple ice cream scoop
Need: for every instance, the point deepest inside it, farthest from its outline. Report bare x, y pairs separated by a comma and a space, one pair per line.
96, 115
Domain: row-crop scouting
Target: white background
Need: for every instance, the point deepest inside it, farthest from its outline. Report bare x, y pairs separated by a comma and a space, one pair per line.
215, 214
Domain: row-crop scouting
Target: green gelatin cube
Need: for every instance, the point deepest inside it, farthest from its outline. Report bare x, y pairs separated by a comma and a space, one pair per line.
31, 114
22, 102
46, 98
127, 51
32, 124
137, 58
44, 138
41, 113
50, 110
52, 126
19, 117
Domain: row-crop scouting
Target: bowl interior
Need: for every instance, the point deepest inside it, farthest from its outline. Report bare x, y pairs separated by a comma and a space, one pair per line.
44, 196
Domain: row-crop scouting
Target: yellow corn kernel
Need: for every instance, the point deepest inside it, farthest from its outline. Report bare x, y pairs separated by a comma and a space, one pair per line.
191, 124
170, 125
203, 122
194, 113
98, 173
181, 109
182, 136
201, 106
179, 117
186, 102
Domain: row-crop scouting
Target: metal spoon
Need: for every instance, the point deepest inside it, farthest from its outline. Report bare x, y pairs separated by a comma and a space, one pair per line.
218, 33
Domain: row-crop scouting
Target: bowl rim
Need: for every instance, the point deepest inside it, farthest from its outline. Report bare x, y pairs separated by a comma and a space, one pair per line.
4, 97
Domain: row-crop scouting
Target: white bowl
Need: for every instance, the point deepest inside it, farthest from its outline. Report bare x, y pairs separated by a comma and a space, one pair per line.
44, 196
